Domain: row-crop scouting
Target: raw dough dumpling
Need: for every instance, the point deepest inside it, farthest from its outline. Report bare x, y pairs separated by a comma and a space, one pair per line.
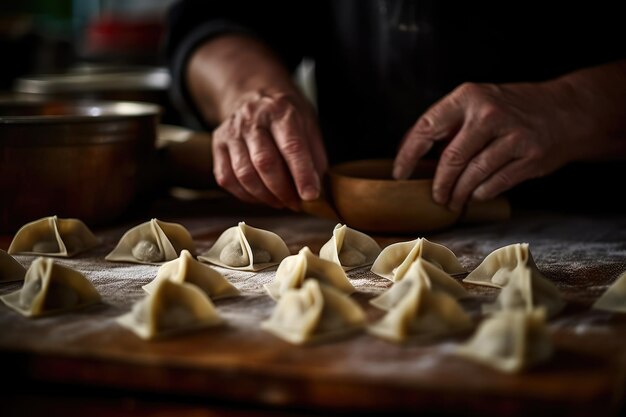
614, 298
350, 248
172, 308
10, 269
312, 313
246, 248
52, 236
525, 290
186, 269
422, 311
495, 269
152, 242
436, 279
51, 288
395, 259
294, 269
510, 341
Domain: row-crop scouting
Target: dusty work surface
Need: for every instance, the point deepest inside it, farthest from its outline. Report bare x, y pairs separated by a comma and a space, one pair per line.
239, 362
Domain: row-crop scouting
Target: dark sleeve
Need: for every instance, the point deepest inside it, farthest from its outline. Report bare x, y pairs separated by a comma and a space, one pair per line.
278, 23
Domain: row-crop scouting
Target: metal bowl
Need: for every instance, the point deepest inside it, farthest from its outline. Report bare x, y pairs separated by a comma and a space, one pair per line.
72, 158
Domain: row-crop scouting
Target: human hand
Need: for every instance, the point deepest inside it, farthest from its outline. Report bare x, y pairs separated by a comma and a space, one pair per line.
497, 137
269, 150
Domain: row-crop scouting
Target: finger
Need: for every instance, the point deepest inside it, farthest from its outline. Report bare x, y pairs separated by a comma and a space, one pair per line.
497, 154
271, 168
289, 134
439, 122
504, 179
316, 144
225, 177
246, 173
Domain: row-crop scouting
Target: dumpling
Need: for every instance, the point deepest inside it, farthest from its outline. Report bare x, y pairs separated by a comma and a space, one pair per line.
525, 290
186, 269
10, 269
172, 308
350, 248
246, 248
495, 269
422, 311
614, 298
436, 279
396, 258
152, 242
51, 288
312, 313
52, 236
510, 341
294, 269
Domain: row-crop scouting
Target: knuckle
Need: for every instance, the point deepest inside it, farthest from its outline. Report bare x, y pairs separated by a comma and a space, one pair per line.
469, 89
490, 114
454, 157
504, 180
293, 147
264, 161
479, 166
245, 174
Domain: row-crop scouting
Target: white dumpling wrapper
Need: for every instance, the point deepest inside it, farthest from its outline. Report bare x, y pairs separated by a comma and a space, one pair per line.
396, 258
614, 298
10, 268
313, 313
436, 279
172, 308
153, 242
246, 248
50, 288
186, 269
295, 269
350, 248
495, 269
51, 236
510, 341
527, 291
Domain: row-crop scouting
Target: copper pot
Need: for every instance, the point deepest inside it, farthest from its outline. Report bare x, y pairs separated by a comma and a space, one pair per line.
72, 158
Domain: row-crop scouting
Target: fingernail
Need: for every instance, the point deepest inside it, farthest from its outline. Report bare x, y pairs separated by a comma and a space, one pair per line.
400, 173
311, 191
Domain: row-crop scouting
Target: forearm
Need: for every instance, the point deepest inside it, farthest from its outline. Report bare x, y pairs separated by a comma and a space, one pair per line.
224, 71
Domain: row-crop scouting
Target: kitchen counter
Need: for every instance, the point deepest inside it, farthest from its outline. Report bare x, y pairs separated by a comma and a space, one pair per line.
84, 363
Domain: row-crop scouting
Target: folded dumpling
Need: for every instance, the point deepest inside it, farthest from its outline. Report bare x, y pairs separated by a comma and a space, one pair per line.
10, 269
186, 269
525, 290
396, 258
171, 308
614, 298
495, 269
294, 269
312, 313
422, 311
51, 288
152, 242
436, 279
510, 341
52, 236
246, 248
350, 248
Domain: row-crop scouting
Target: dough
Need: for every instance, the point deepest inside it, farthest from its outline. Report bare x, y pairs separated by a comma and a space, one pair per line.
614, 298
312, 313
421, 311
510, 341
51, 288
170, 309
52, 236
525, 290
495, 269
395, 259
10, 269
152, 242
435, 278
350, 248
186, 269
246, 248
293, 271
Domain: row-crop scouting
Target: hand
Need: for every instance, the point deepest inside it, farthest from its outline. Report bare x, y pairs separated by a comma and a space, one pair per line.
269, 150
497, 136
